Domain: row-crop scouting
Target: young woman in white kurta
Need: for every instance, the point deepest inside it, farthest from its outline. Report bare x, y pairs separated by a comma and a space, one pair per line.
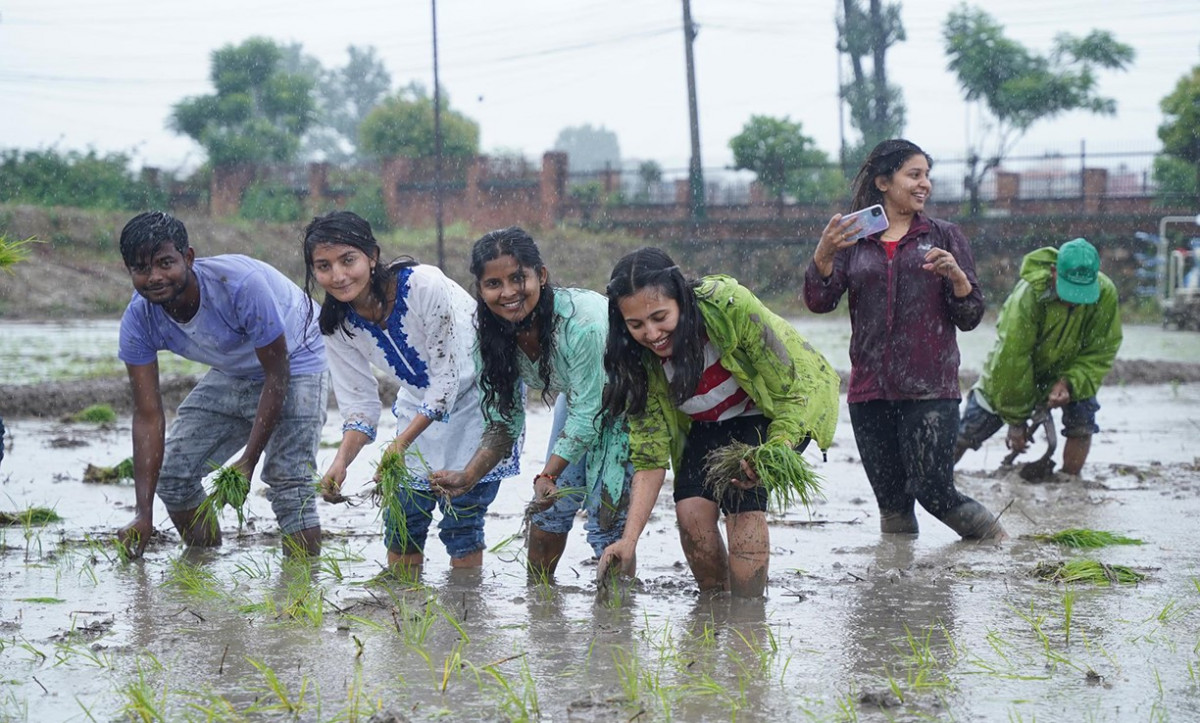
415, 325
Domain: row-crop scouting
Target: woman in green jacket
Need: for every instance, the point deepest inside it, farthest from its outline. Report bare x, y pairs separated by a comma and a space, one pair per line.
695, 366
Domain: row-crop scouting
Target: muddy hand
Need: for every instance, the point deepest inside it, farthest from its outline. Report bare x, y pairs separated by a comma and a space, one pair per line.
331, 485
134, 536
1060, 395
544, 494
450, 483
615, 554
749, 479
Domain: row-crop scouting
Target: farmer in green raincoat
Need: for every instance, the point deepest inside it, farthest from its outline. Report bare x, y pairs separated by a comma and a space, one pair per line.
1057, 337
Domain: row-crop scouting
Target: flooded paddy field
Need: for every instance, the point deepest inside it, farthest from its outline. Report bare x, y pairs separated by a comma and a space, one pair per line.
855, 626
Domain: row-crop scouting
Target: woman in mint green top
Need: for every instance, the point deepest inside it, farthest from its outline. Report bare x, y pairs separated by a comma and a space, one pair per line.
550, 339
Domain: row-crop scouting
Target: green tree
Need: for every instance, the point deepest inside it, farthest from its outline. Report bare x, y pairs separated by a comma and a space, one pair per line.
259, 111
1180, 130
402, 125
876, 106
649, 173
1019, 87
1175, 181
589, 149
785, 160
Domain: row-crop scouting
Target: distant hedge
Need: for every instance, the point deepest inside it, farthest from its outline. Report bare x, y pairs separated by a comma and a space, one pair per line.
50, 177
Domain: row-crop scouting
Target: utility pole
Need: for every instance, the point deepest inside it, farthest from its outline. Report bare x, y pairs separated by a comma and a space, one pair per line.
841, 25
437, 146
695, 170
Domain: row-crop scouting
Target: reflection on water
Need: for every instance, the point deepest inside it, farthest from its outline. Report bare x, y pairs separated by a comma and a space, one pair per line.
963, 632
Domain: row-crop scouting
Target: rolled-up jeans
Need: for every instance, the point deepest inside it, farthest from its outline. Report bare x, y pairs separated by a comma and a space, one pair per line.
559, 518
214, 422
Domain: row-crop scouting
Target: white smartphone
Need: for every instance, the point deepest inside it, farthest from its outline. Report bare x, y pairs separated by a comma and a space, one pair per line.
870, 220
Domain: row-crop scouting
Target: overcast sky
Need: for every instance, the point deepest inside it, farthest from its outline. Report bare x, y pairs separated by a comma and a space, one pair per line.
105, 73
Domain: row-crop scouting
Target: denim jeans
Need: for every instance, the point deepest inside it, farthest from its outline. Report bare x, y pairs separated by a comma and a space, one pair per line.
214, 422
560, 517
978, 424
461, 526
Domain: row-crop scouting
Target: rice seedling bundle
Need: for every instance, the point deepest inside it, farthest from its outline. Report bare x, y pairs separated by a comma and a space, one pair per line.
14, 252
97, 474
1087, 571
30, 517
394, 483
1084, 538
782, 472
230, 487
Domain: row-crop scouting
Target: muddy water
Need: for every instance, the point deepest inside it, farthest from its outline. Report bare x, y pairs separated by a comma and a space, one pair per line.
855, 626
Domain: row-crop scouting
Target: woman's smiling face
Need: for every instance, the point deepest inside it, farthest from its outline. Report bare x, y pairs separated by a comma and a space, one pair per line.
651, 317
509, 290
907, 190
344, 272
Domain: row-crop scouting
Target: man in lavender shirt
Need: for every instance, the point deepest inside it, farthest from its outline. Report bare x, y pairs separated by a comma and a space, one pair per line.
265, 394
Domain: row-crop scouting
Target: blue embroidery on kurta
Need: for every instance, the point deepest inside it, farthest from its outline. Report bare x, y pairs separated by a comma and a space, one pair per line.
404, 360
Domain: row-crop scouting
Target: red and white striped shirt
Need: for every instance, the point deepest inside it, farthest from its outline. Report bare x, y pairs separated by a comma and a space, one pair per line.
718, 396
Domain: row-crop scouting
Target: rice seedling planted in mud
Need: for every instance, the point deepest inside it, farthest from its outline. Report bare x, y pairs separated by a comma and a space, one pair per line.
192, 579
1088, 571
782, 471
1084, 538
284, 699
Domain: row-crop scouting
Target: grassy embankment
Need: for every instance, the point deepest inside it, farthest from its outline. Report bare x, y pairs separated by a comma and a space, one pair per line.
78, 273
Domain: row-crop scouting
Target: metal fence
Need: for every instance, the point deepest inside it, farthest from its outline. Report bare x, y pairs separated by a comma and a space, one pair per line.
1051, 175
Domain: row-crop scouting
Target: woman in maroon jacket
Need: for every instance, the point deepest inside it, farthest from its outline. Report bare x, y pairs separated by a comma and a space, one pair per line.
910, 287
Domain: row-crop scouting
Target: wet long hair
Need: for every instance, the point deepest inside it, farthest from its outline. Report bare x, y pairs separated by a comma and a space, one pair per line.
498, 337
146, 232
628, 383
884, 160
347, 229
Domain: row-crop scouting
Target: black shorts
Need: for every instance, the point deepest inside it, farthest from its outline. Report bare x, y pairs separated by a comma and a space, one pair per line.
702, 438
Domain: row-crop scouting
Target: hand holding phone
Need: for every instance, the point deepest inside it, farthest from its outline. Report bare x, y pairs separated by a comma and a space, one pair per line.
866, 222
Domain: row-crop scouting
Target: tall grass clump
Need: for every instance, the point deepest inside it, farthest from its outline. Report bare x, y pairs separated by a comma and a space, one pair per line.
1086, 539
782, 471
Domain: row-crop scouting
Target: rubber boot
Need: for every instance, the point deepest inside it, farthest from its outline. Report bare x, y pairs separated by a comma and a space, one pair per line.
973, 521
898, 523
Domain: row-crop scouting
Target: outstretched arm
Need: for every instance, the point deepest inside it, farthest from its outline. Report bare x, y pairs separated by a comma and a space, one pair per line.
496, 444
149, 439
645, 488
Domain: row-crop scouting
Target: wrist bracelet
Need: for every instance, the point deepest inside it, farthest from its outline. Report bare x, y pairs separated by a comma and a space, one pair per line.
542, 475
